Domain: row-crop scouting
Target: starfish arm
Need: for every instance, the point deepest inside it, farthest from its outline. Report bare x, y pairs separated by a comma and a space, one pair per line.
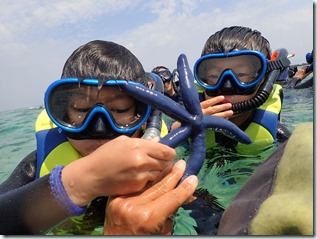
226, 127
197, 155
188, 88
177, 136
191, 117
158, 100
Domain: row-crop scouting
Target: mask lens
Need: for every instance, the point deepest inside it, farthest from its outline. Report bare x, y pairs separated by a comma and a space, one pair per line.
165, 75
245, 68
59, 104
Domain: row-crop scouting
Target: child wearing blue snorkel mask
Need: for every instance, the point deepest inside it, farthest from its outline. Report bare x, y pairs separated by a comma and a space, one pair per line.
170, 88
94, 152
235, 65
235, 79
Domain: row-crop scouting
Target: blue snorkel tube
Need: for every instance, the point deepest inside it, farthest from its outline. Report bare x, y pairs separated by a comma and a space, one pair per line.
193, 122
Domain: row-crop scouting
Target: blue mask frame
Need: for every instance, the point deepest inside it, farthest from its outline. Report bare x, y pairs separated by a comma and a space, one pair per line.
164, 78
97, 110
229, 74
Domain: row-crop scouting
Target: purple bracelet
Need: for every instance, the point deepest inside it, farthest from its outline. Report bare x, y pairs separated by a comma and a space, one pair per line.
60, 194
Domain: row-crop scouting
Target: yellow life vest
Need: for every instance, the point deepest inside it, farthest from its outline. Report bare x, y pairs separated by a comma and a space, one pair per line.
53, 148
262, 129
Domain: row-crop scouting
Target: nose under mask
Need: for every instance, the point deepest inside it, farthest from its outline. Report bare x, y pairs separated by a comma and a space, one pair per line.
228, 86
99, 128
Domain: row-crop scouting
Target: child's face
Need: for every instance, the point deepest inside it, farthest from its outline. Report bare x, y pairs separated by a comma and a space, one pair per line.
121, 106
168, 86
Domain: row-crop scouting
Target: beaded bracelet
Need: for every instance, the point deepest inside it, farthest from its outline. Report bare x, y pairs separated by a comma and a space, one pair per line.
60, 194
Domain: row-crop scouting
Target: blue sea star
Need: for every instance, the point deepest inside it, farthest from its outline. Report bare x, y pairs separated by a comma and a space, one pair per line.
193, 122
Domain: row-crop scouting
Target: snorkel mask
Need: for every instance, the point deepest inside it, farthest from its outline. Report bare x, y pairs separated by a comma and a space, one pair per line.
244, 75
88, 109
165, 75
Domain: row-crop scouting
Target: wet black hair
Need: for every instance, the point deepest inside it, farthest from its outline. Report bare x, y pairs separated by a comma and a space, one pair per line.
158, 69
104, 60
243, 38
237, 38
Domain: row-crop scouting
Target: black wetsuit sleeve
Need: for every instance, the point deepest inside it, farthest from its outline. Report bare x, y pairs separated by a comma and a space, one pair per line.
27, 206
24, 173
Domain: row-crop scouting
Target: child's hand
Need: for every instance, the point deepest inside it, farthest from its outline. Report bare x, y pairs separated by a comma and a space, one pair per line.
215, 107
150, 212
121, 166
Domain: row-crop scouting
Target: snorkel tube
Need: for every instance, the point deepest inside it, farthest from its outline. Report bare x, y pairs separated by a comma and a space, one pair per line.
154, 123
275, 68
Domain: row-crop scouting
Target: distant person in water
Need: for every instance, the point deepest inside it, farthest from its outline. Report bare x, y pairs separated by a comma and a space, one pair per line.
296, 80
170, 88
298, 77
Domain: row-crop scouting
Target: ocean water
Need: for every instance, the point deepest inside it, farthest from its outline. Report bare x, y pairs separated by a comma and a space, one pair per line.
17, 135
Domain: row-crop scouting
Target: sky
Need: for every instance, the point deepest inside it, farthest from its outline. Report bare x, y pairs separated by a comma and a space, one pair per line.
37, 37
